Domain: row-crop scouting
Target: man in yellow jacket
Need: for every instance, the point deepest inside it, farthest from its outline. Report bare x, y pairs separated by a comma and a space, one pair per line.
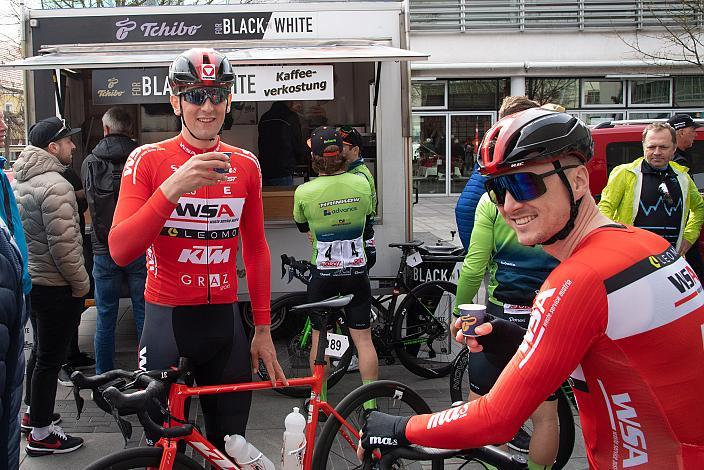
656, 194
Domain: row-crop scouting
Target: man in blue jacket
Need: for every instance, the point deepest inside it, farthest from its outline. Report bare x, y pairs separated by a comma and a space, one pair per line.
14, 285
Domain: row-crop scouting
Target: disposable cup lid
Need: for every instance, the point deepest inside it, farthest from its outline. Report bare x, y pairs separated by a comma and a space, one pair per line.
472, 307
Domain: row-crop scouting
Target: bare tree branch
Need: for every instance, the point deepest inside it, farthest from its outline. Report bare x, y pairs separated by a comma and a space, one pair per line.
678, 29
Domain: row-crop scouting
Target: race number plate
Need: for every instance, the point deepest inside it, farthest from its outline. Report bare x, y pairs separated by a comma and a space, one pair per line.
414, 259
337, 345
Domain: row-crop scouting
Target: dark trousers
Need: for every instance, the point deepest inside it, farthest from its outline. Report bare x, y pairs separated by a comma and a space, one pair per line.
55, 317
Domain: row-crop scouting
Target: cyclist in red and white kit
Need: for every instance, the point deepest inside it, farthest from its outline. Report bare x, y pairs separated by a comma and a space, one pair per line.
622, 315
186, 201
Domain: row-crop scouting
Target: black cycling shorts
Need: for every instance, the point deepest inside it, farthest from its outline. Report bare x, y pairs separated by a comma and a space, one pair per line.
358, 312
484, 368
213, 338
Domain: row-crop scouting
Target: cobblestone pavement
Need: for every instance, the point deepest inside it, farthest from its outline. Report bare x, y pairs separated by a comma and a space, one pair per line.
434, 218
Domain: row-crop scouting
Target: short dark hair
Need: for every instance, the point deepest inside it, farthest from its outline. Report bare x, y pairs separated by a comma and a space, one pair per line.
660, 126
331, 164
513, 104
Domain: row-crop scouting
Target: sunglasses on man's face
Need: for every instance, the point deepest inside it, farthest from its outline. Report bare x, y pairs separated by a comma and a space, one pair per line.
522, 186
198, 96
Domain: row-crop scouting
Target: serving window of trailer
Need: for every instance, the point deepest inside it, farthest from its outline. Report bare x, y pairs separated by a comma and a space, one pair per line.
341, 96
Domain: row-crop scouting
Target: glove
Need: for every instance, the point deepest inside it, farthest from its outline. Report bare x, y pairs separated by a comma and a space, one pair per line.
382, 431
501, 344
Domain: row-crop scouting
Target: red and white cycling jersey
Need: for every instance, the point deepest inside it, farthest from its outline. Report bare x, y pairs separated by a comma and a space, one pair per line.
625, 316
191, 246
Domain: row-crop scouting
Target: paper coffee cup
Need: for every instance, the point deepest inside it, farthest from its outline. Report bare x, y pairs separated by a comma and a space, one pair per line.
472, 315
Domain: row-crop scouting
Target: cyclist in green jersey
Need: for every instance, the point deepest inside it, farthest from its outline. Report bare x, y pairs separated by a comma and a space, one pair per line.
352, 153
336, 208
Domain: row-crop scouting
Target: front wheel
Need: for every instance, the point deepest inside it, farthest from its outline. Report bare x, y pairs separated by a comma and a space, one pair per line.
337, 446
141, 457
459, 390
421, 329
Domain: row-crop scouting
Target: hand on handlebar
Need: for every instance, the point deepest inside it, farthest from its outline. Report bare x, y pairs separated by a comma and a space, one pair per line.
382, 431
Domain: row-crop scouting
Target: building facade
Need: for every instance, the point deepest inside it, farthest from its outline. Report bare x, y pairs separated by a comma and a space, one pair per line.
601, 60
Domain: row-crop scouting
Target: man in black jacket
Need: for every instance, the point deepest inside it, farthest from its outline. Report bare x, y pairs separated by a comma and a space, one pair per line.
281, 144
101, 173
686, 130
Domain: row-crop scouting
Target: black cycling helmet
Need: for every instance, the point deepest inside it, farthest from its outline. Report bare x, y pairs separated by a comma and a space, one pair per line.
533, 136
200, 67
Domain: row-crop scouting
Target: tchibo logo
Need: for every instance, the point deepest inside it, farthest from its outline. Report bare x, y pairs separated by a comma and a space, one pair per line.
205, 255
382, 441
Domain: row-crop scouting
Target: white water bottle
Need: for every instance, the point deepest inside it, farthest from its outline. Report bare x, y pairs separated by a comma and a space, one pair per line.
245, 454
294, 441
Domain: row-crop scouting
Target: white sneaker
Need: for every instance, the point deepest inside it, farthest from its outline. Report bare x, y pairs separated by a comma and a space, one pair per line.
354, 364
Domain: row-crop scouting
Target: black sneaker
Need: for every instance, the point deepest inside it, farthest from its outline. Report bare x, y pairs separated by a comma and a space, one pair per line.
80, 361
57, 442
520, 442
64, 377
24, 424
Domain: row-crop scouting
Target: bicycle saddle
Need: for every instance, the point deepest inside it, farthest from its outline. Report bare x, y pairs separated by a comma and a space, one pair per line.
327, 304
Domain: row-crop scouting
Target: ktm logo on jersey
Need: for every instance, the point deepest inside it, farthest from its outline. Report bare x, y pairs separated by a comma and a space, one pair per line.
205, 255
204, 210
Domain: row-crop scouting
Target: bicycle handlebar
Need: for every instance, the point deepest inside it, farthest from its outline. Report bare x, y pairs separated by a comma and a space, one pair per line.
298, 268
153, 383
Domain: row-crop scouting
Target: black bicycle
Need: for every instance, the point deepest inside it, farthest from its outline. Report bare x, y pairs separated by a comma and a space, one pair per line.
459, 388
412, 324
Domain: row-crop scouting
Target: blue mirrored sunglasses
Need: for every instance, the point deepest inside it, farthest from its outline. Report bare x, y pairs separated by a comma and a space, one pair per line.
523, 187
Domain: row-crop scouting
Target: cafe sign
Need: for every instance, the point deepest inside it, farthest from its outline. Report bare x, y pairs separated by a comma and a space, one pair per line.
255, 83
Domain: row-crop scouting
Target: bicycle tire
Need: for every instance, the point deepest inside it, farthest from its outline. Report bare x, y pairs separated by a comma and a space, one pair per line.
141, 457
279, 312
294, 358
413, 327
459, 388
402, 399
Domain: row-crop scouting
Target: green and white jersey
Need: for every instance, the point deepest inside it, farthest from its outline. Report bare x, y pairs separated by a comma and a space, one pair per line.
360, 169
335, 208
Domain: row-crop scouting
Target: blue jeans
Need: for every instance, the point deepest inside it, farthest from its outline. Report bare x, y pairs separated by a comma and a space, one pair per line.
108, 287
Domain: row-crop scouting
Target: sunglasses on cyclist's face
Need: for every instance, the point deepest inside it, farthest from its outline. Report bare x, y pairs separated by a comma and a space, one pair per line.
197, 96
522, 186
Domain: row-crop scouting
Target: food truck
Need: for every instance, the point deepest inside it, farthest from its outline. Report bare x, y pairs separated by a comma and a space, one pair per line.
343, 62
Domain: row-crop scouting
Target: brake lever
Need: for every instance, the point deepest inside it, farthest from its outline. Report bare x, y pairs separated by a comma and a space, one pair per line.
79, 401
123, 425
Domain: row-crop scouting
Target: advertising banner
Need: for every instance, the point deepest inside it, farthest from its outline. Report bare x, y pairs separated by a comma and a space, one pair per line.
256, 83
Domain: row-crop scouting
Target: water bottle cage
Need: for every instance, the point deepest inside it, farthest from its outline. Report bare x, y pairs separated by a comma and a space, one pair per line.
295, 451
255, 459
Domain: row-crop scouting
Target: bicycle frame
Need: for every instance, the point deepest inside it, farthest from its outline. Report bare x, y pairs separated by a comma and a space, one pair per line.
179, 393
